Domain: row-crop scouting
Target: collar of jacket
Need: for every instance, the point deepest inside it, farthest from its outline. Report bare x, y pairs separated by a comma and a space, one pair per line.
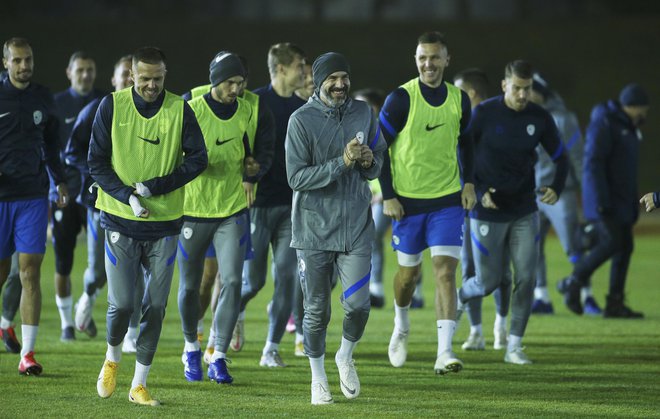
330, 111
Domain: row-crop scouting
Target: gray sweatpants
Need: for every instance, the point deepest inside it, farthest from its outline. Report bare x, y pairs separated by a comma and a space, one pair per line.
11, 294
491, 241
94, 277
502, 294
230, 239
564, 219
272, 225
316, 269
128, 261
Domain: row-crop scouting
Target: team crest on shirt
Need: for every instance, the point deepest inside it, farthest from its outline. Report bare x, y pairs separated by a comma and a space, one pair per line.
187, 233
483, 230
58, 215
531, 129
396, 240
114, 237
37, 116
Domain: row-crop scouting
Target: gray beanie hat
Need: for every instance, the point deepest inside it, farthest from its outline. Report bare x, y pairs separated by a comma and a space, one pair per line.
327, 64
224, 66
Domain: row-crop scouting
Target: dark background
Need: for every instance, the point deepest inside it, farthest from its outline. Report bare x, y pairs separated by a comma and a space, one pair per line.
587, 49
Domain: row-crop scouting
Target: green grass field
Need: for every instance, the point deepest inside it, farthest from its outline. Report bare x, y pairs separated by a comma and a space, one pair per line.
583, 366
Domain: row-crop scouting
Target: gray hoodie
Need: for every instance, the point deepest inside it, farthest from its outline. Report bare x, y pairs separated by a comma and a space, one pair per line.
331, 201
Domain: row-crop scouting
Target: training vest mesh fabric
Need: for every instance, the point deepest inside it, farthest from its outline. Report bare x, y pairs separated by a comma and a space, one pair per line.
218, 191
142, 149
424, 160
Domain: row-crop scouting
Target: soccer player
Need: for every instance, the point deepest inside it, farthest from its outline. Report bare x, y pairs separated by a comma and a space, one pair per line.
333, 146
28, 131
475, 83
67, 222
94, 277
271, 212
423, 122
146, 145
506, 130
215, 212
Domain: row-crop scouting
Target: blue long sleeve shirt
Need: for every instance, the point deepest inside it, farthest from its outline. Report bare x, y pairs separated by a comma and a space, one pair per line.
100, 167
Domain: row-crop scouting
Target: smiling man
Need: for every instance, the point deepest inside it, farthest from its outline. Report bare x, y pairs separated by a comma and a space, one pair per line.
423, 122
146, 145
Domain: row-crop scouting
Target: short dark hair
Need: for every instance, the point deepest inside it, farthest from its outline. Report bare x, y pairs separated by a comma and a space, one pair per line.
283, 53
15, 42
126, 58
149, 55
476, 79
79, 55
432, 37
374, 97
519, 68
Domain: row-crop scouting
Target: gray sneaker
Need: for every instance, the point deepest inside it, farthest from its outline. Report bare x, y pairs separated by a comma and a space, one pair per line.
272, 359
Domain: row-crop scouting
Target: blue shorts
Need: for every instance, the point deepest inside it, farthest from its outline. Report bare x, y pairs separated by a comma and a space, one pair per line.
414, 233
23, 226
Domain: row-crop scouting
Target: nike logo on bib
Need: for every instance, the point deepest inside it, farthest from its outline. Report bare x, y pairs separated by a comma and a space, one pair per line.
431, 128
4, 114
69, 120
154, 142
218, 142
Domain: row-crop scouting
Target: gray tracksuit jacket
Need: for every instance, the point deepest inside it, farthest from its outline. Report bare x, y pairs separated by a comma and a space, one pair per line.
331, 201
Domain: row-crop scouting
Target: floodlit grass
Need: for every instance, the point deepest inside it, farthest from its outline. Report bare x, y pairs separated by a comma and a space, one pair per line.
583, 366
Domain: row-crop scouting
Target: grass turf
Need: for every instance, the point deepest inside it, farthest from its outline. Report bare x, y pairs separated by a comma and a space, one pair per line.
583, 366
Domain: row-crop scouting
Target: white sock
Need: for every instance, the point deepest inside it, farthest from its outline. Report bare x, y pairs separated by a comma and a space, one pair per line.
299, 337
191, 346
131, 333
500, 322
140, 376
270, 346
64, 307
218, 355
29, 335
345, 352
4, 323
541, 293
401, 320
318, 370
241, 315
200, 326
585, 292
446, 330
113, 353
515, 342
476, 329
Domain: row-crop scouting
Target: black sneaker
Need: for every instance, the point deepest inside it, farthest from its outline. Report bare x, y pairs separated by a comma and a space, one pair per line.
616, 309
377, 301
11, 342
570, 287
68, 335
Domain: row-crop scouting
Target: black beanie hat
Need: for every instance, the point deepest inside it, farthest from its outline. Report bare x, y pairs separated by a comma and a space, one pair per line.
327, 64
224, 66
634, 95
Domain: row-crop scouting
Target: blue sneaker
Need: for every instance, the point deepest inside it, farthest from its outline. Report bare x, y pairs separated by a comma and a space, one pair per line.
417, 302
541, 307
218, 372
591, 307
192, 365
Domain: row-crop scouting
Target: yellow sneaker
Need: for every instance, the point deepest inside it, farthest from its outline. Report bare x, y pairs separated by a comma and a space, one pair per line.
107, 381
300, 349
200, 338
140, 395
208, 354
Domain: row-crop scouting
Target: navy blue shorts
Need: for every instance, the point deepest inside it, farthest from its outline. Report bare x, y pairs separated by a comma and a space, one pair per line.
414, 233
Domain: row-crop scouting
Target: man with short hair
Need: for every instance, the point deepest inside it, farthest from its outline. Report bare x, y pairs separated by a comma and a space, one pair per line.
28, 136
506, 130
146, 145
610, 198
424, 122
333, 147
67, 222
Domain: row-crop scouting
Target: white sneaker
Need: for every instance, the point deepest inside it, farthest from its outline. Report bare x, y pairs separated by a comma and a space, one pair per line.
348, 378
474, 342
447, 362
129, 346
500, 340
84, 308
516, 356
321, 393
398, 349
238, 337
272, 359
299, 349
